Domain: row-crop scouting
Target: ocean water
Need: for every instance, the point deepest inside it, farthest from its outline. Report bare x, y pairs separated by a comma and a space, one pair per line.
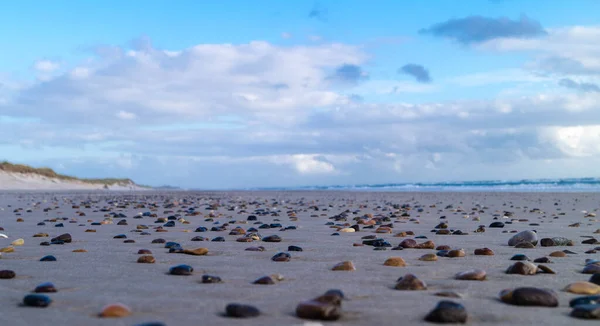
526, 185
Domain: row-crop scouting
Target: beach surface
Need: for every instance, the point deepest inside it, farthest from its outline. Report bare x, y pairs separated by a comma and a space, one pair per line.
109, 273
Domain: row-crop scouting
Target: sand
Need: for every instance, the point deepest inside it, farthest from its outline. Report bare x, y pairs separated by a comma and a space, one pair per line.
108, 272
35, 182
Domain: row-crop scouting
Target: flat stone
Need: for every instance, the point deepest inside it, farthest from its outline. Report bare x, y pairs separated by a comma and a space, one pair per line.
525, 245
447, 312
294, 248
595, 279
237, 310
395, 262
272, 238
144, 252
530, 296
18, 242
448, 294
116, 310
591, 269
519, 257
66, 238
545, 260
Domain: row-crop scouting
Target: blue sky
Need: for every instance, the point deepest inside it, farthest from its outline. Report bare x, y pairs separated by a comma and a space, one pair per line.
233, 94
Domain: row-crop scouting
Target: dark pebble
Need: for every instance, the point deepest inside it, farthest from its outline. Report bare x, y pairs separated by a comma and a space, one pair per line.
586, 311
159, 241
218, 239
590, 299
64, 238
181, 270
45, 288
272, 238
241, 311
37, 300
120, 236
542, 260
447, 312
294, 248
48, 258
7, 274
520, 257
281, 257
595, 279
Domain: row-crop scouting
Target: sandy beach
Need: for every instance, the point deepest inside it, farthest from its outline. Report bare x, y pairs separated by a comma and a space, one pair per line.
108, 272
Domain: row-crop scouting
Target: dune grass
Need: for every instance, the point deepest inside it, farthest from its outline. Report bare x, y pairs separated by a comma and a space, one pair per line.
49, 173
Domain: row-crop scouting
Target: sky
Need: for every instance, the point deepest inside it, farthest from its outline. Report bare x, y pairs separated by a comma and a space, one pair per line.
242, 94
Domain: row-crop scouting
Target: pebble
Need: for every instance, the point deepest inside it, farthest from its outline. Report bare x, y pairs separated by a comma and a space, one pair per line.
484, 252
326, 307
146, 259
586, 311
522, 268
395, 262
471, 275
429, 257
272, 238
18, 242
591, 269
344, 266
590, 299
410, 282
196, 252
48, 258
543, 260
557, 254
144, 252
115, 310
66, 238
181, 270
583, 288
294, 248
524, 236
281, 257
45, 288
447, 312
37, 300
456, 253
595, 279
237, 310
7, 274
530, 296
519, 257
556, 241
265, 280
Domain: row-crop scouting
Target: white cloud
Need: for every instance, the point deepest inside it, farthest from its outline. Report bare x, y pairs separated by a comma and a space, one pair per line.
46, 66
286, 35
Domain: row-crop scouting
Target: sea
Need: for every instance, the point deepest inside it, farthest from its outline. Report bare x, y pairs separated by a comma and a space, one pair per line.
525, 185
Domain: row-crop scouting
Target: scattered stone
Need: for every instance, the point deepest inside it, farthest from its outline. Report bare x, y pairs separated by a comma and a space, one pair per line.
265, 280
18, 242
448, 294
583, 288
586, 311
447, 312
456, 253
471, 275
590, 299
281, 257
524, 236
116, 310
272, 238
556, 241
522, 268
557, 254
146, 260
484, 252
519, 257
45, 288
410, 282
428, 257
395, 262
236, 310
196, 252
530, 296
181, 270
542, 260
48, 258
37, 300
7, 274
344, 266
327, 307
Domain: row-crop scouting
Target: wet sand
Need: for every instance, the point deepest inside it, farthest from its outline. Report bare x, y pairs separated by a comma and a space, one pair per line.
108, 273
